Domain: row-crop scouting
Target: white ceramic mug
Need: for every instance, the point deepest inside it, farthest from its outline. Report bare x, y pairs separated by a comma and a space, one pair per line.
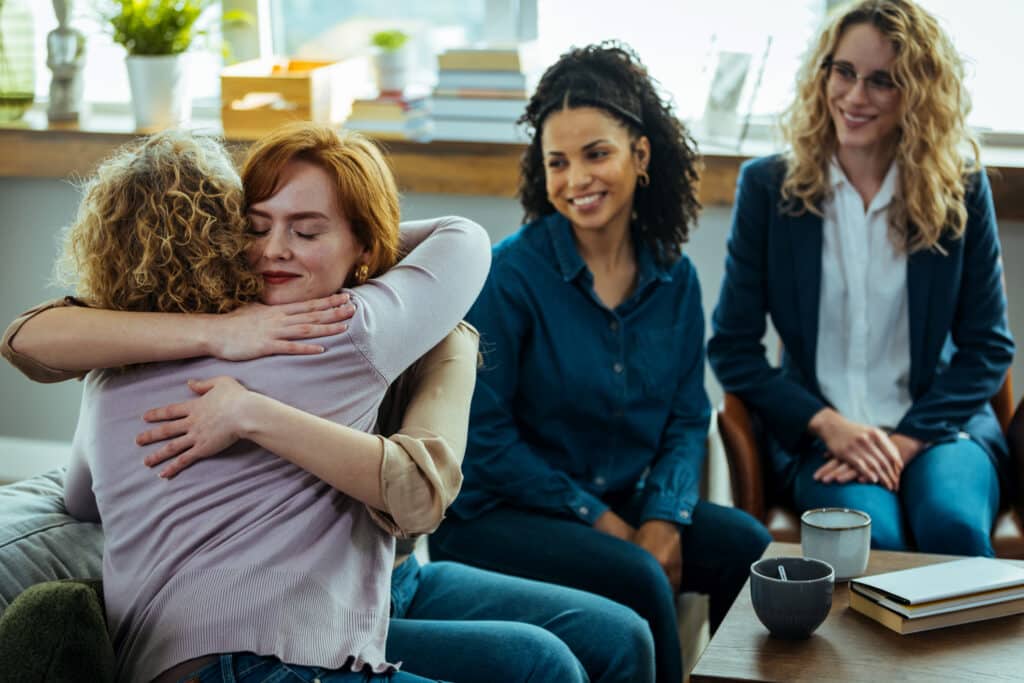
839, 536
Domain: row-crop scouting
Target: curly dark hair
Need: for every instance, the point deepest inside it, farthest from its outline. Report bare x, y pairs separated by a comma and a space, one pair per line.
609, 76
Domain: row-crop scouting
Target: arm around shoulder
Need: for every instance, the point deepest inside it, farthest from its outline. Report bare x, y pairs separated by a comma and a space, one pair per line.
412, 306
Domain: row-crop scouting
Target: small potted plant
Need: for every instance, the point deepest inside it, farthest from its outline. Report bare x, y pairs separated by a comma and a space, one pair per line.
157, 35
391, 60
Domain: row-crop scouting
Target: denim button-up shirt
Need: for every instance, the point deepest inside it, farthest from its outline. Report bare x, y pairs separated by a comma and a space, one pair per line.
575, 401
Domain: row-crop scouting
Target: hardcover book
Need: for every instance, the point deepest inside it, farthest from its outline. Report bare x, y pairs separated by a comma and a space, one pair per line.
905, 625
972, 576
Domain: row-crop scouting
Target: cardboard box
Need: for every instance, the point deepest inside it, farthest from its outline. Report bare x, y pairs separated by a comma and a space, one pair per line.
259, 95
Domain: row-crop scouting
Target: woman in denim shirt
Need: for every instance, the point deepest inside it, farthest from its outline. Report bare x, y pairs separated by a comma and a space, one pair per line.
588, 424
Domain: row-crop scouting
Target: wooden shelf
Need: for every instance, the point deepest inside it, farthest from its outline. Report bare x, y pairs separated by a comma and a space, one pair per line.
35, 149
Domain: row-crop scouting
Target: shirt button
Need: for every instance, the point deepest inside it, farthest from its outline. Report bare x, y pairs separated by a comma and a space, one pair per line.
584, 510
614, 326
684, 514
617, 368
599, 481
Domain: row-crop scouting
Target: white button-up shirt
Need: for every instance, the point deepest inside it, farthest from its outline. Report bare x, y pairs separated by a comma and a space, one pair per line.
863, 353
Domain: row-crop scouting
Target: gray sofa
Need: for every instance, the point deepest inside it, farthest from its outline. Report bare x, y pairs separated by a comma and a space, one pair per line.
39, 541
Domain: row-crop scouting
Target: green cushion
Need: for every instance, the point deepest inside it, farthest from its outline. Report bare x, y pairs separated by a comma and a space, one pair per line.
56, 631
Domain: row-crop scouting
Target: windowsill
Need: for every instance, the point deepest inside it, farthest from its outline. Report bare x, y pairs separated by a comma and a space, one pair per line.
35, 148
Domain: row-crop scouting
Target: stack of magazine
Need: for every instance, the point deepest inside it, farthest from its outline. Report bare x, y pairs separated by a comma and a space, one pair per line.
939, 595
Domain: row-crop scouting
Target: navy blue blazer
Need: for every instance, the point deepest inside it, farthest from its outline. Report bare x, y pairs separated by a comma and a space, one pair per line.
960, 343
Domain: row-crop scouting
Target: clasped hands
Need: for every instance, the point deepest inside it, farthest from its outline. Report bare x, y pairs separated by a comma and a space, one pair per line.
206, 425
658, 537
860, 452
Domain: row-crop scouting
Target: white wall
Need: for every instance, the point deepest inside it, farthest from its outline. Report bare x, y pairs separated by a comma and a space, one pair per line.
33, 211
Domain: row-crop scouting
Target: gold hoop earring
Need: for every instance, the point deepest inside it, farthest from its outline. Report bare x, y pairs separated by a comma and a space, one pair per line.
362, 273
642, 179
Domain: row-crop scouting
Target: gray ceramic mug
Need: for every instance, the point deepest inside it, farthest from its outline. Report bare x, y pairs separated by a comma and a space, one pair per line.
839, 536
792, 607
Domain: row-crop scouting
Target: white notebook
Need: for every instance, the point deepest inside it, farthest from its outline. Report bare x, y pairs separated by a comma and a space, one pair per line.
944, 580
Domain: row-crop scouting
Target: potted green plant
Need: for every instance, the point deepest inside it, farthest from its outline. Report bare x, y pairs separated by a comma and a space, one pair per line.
391, 60
157, 35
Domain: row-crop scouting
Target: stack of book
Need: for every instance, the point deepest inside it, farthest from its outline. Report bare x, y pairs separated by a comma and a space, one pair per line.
392, 116
480, 93
939, 595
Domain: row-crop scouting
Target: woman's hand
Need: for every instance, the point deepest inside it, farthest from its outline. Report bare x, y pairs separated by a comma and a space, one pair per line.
841, 473
661, 539
868, 450
613, 525
256, 330
908, 447
838, 472
196, 429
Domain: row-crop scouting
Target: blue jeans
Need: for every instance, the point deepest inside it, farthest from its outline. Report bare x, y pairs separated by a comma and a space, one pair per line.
461, 623
947, 500
245, 667
717, 547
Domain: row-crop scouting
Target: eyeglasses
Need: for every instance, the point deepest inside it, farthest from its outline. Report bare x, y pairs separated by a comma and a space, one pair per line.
845, 77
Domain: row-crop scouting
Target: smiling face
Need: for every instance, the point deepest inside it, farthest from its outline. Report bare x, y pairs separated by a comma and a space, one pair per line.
304, 247
591, 167
865, 113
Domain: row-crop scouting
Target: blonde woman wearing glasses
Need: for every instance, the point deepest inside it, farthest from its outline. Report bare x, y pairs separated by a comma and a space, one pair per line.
871, 244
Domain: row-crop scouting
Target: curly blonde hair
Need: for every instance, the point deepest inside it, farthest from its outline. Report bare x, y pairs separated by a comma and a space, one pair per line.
366, 189
161, 228
932, 132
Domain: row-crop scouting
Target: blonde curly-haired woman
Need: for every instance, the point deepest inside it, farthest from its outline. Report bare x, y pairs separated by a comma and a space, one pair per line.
871, 244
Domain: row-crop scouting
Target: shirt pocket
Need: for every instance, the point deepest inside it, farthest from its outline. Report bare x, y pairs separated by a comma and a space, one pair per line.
656, 363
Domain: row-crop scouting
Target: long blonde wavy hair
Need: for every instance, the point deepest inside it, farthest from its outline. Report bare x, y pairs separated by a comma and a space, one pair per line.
161, 228
932, 131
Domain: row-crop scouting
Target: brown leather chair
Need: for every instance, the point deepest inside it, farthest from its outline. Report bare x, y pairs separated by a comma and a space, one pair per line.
742, 446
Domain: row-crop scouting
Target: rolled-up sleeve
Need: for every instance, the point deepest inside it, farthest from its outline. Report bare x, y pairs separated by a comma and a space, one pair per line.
429, 404
28, 366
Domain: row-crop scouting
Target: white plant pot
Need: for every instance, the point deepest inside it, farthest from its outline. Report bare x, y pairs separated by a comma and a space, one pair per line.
160, 90
392, 69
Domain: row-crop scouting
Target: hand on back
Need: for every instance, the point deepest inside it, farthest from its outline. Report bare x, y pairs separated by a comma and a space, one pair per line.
196, 429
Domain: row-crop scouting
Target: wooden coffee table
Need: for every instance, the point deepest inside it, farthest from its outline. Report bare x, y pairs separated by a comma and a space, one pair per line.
851, 647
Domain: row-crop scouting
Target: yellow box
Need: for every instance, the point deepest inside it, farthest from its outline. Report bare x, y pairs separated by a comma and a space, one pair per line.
259, 95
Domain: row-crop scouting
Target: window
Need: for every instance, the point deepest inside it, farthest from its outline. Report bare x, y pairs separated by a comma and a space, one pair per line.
987, 34
684, 45
754, 45
106, 78
328, 29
